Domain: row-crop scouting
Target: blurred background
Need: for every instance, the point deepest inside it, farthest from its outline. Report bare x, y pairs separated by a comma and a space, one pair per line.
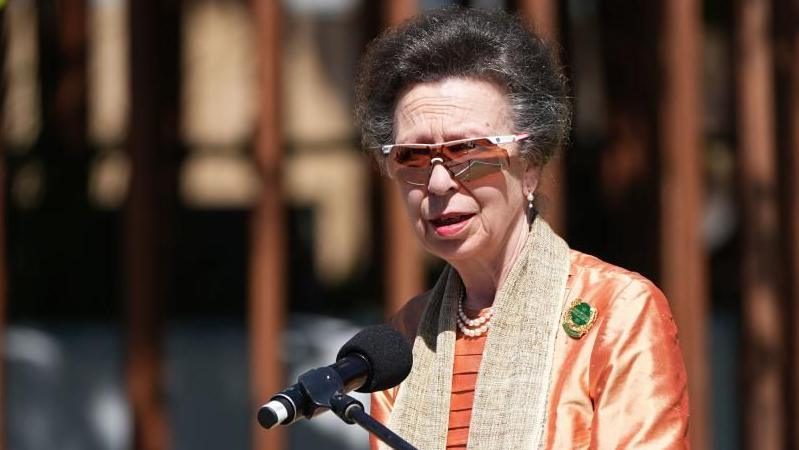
188, 221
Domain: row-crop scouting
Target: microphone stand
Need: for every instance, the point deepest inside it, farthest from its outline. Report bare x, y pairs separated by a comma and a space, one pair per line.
351, 412
325, 388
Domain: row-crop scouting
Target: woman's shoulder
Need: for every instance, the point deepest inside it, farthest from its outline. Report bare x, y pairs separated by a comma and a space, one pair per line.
624, 300
607, 283
406, 320
586, 265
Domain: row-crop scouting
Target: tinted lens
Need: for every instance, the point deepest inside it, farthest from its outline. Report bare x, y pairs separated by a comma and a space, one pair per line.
475, 159
410, 163
411, 156
467, 161
413, 175
476, 169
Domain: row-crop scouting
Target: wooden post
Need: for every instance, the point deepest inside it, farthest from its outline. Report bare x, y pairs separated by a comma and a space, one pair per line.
395, 11
267, 304
787, 58
3, 266
150, 208
62, 31
683, 260
763, 312
791, 208
404, 263
404, 266
627, 166
3, 292
543, 14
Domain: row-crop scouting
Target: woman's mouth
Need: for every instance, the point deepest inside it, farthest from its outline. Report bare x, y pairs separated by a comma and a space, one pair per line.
450, 224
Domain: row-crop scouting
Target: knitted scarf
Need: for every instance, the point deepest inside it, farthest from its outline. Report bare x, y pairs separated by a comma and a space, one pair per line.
510, 400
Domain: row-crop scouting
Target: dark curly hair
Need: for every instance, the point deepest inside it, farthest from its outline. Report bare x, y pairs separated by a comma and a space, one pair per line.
466, 43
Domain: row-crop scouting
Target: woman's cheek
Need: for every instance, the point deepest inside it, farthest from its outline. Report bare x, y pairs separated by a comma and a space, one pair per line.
413, 204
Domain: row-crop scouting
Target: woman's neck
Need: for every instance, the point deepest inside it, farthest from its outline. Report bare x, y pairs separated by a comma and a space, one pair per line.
483, 277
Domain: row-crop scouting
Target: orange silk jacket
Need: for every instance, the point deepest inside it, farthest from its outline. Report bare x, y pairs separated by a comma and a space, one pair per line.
622, 385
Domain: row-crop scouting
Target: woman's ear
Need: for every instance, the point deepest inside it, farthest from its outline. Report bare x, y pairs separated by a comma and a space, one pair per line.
532, 174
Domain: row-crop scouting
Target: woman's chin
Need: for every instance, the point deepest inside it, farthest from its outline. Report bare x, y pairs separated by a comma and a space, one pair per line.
453, 249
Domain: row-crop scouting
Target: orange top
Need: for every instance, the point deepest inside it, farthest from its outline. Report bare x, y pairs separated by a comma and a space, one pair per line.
468, 354
620, 386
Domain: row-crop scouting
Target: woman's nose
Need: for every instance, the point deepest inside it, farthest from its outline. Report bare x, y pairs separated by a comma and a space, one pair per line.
441, 180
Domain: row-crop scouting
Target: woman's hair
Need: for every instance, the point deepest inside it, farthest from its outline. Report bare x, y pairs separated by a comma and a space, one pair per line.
455, 42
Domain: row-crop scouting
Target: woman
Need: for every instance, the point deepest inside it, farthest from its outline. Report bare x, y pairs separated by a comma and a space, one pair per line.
522, 343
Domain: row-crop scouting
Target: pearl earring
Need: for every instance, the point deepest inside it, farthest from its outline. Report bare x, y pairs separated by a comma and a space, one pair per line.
531, 212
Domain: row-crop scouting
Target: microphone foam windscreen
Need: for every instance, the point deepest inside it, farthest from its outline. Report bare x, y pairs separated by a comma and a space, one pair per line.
388, 352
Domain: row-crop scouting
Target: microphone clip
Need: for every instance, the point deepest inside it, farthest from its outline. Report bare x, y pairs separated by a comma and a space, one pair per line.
324, 390
343, 406
320, 386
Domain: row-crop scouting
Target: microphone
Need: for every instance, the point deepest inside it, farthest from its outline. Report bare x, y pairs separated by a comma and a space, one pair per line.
375, 359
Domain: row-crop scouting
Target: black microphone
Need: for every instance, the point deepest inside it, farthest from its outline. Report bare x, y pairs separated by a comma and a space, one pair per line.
375, 359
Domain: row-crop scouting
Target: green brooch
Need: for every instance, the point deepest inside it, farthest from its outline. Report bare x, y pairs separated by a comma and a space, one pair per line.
579, 318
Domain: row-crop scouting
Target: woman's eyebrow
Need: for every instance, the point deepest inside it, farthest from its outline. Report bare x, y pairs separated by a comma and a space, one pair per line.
467, 133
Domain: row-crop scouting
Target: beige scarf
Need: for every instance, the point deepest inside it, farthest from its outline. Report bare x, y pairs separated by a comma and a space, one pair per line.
510, 400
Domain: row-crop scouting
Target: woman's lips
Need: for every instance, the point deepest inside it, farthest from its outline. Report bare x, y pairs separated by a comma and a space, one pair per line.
450, 224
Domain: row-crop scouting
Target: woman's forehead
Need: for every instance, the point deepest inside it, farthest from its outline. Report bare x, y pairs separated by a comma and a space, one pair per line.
451, 109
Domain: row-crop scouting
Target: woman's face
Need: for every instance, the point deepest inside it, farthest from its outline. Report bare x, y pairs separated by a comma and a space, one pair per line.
457, 220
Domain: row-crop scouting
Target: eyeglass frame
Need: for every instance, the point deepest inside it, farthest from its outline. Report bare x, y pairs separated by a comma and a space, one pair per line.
496, 140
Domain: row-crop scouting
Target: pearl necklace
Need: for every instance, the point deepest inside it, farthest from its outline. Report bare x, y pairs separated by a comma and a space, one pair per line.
473, 327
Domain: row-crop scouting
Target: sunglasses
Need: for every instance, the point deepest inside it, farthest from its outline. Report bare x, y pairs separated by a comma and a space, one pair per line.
466, 159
